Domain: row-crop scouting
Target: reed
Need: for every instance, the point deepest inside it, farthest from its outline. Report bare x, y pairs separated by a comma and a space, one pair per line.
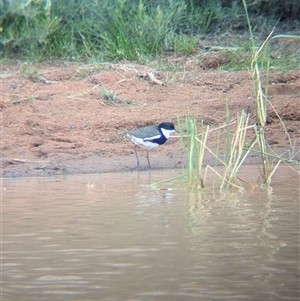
260, 99
260, 60
236, 152
193, 148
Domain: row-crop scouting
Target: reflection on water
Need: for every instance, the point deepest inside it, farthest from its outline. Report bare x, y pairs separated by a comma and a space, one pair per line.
112, 237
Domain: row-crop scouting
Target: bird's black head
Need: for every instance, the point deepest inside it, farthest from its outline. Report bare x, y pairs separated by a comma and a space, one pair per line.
167, 126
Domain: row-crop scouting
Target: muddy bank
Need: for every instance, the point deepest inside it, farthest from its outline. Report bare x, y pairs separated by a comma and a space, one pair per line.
55, 119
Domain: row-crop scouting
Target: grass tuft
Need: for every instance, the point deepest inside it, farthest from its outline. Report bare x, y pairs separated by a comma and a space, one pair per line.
133, 30
112, 98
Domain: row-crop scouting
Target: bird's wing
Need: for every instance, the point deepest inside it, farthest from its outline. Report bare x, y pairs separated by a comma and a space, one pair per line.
148, 133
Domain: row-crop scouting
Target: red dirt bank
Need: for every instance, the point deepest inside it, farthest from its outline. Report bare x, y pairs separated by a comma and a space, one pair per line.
54, 119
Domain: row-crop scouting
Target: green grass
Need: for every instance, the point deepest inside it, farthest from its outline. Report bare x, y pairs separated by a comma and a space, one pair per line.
106, 30
281, 55
132, 30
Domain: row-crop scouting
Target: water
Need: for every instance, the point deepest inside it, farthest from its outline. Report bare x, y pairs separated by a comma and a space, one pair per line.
112, 237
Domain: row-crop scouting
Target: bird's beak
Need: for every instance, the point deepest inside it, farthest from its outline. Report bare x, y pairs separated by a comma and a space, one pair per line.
177, 131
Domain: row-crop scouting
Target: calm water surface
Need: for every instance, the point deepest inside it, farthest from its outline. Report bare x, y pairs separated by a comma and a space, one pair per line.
113, 237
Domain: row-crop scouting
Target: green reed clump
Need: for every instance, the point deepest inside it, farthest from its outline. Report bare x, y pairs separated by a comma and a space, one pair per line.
195, 145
